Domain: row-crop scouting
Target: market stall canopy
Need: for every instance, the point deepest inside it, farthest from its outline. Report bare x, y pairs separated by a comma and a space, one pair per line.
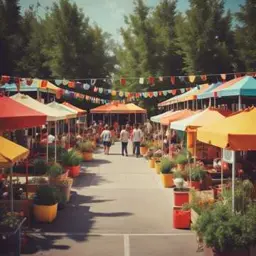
36, 85
244, 87
103, 109
14, 115
52, 114
136, 109
206, 117
175, 99
69, 113
157, 118
214, 92
193, 96
119, 108
11, 153
79, 111
236, 132
177, 115
205, 94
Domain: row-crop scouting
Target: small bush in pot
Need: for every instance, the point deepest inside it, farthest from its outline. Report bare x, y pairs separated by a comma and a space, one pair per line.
56, 172
71, 160
196, 174
166, 173
86, 148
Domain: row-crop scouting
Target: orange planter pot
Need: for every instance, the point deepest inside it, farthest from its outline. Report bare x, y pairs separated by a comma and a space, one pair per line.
87, 156
143, 150
181, 219
195, 184
74, 171
45, 213
181, 197
151, 163
58, 178
167, 180
157, 167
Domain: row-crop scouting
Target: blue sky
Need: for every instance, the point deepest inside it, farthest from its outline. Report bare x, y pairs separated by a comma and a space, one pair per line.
108, 14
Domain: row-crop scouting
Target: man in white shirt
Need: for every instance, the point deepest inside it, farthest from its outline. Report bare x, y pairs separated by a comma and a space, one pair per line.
51, 139
106, 138
124, 137
137, 137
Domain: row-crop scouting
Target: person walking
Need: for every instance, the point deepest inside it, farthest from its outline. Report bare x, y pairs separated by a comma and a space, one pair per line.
137, 137
106, 138
124, 137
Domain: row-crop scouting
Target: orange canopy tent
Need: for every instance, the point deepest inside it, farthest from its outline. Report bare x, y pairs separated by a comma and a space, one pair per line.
79, 111
175, 116
136, 109
236, 132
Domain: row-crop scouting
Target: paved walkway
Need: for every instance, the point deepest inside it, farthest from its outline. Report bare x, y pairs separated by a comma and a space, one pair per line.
118, 208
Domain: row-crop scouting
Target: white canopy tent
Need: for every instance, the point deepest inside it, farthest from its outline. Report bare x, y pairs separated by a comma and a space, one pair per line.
157, 118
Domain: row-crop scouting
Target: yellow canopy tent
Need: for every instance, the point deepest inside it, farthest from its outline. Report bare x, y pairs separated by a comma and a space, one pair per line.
236, 132
10, 153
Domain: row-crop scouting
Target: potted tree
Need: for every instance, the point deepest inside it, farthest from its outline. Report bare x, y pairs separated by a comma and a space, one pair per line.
197, 175
143, 148
56, 173
86, 148
181, 193
46, 203
71, 161
166, 173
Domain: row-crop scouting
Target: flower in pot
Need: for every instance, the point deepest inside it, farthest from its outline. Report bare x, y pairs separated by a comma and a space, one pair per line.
45, 203
40, 166
181, 160
197, 174
166, 172
86, 148
56, 173
71, 160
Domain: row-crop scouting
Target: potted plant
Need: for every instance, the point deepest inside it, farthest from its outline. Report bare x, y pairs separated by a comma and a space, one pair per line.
56, 173
197, 175
166, 173
40, 166
86, 148
65, 187
35, 182
181, 193
71, 161
150, 155
181, 217
143, 148
45, 203
181, 161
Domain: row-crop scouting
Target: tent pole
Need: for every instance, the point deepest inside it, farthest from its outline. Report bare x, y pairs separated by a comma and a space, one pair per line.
69, 135
233, 181
135, 118
47, 146
11, 189
221, 172
239, 102
55, 141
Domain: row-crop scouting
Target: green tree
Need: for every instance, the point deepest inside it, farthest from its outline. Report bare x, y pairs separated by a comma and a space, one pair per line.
205, 38
246, 34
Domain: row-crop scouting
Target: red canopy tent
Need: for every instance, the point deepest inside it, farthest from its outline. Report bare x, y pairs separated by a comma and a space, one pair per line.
14, 116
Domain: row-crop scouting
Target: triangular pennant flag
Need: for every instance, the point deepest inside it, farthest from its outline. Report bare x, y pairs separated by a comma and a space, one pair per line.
29, 81
165, 93
43, 84
95, 89
122, 81
113, 93
141, 80
155, 94
86, 86
121, 94
151, 80
182, 90
126, 94
191, 78
173, 80
145, 94
65, 82
150, 94
182, 78
160, 93
161, 79
203, 77
71, 84
187, 89
223, 77
58, 81
174, 92
93, 82
100, 90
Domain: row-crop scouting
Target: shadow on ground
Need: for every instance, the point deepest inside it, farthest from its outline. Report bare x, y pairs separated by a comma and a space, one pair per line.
74, 221
95, 162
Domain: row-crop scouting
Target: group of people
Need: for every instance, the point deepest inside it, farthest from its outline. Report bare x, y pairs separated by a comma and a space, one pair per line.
135, 135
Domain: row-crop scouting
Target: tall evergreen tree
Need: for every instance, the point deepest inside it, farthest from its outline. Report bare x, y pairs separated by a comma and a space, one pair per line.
205, 38
246, 34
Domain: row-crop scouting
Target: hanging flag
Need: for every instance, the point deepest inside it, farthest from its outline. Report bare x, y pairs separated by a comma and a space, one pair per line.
113, 93
182, 78
173, 80
165, 93
29, 81
122, 81
43, 84
187, 89
160, 93
145, 94
58, 81
151, 80
78, 85
59, 93
155, 94
223, 77
100, 90
182, 90
121, 94
71, 84
174, 92
93, 82
150, 94
95, 89
126, 94
5, 79
191, 78
161, 79
86, 86
203, 77
65, 82
141, 81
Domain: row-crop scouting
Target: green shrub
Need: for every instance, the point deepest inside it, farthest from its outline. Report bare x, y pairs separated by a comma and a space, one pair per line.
181, 159
166, 165
47, 195
71, 158
85, 147
55, 170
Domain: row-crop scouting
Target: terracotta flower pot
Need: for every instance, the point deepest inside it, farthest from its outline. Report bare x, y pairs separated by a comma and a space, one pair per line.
87, 156
195, 184
180, 197
74, 171
58, 178
181, 218
143, 150
45, 213
167, 180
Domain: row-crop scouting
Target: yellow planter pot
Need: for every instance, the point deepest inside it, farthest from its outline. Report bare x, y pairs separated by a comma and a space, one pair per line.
167, 180
152, 163
87, 156
45, 213
157, 167
143, 150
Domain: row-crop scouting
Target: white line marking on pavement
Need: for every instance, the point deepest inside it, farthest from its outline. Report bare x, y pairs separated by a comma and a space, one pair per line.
126, 245
110, 234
